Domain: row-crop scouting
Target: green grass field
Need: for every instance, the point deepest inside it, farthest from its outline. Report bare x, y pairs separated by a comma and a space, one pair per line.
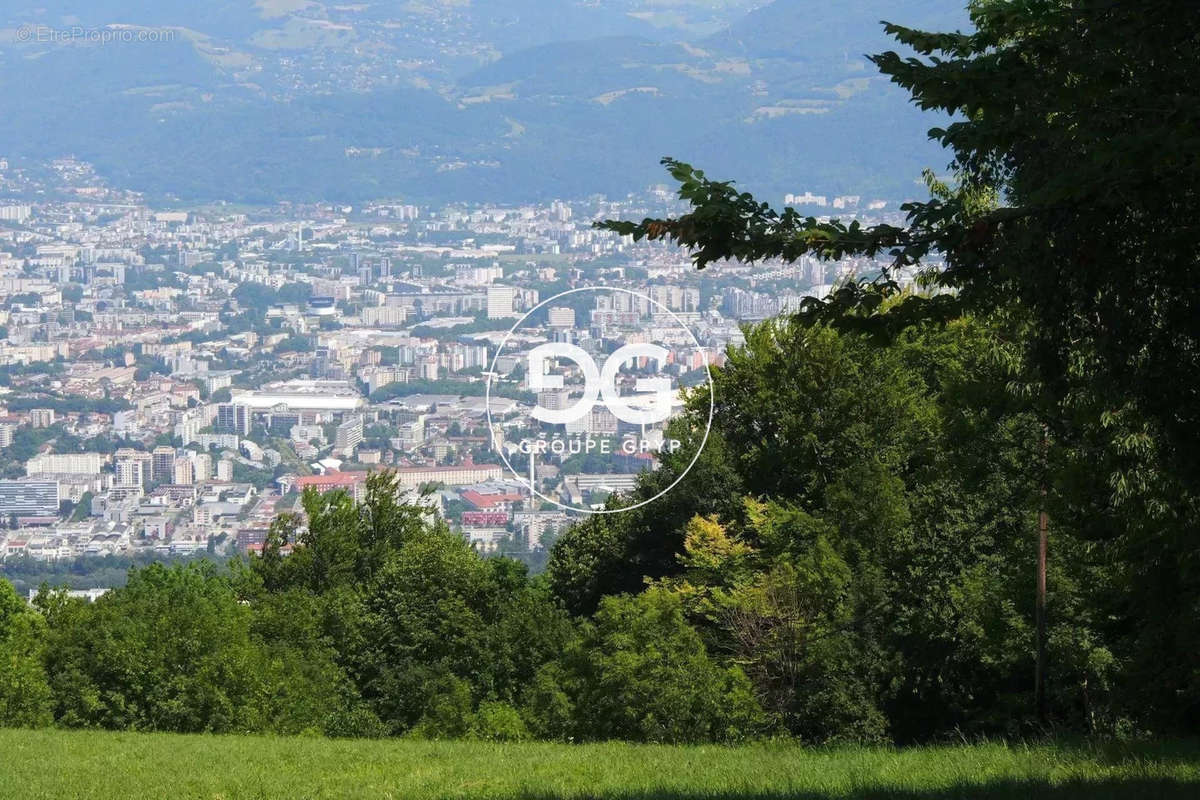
77, 765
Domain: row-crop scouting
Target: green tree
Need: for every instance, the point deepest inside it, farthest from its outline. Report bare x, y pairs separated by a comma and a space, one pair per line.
84, 509
1075, 157
25, 699
889, 591
174, 650
614, 553
1071, 206
639, 671
784, 612
429, 630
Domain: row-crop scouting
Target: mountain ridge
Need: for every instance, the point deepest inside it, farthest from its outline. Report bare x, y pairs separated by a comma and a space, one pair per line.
382, 115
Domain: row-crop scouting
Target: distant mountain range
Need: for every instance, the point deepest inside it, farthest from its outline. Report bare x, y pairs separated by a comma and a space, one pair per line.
439, 100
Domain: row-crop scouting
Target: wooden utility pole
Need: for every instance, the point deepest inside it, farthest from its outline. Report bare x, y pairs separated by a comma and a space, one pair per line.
1040, 606
1040, 675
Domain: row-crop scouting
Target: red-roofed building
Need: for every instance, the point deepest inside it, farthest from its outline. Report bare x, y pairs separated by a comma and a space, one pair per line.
353, 483
492, 502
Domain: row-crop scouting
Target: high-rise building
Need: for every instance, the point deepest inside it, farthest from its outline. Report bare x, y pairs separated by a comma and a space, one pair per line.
501, 302
225, 471
460, 356
385, 316
202, 467
41, 417
233, 418
427, 368
325, 363
410, 434
29, 498
132, 468
282, 422
162, 464
554, 399
184, 473
15, 213
349, 436
675, 298
472, 275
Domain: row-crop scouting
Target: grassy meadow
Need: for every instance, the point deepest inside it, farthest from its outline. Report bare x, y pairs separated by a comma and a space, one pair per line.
77, 765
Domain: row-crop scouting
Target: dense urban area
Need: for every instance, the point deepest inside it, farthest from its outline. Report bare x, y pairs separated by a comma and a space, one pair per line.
174, 379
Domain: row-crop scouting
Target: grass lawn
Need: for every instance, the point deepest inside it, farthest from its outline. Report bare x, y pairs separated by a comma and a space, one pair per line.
78, 765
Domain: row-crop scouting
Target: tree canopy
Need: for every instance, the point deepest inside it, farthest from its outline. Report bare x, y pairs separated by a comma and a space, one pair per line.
1075, 157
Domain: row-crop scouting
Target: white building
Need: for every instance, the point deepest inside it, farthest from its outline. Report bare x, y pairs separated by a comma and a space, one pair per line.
349, 436
501, 302
73, 463
184, 472
202, 466
385, 316
562, 318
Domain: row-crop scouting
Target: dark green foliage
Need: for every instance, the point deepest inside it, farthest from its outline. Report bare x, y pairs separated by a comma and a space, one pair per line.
613, 554
498, 722
885, 588
481, 325
428, 629
1075, 155
1071, 216
442, 643
25, 699
69, 405
259, 298
83, 572
174, 650
296, 344
639, 671
424, 630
